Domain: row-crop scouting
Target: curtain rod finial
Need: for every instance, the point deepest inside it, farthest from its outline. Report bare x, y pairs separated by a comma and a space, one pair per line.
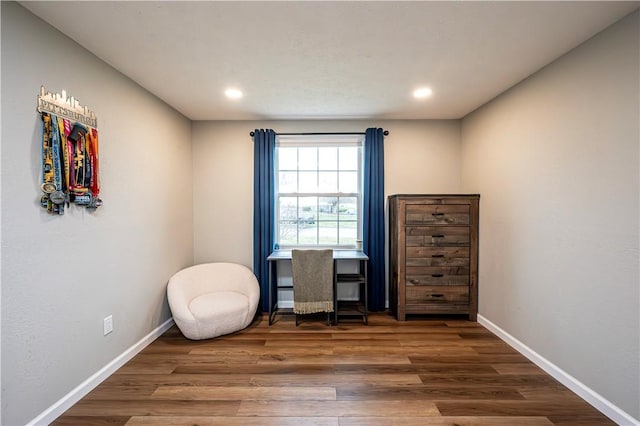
252, 134
386, 133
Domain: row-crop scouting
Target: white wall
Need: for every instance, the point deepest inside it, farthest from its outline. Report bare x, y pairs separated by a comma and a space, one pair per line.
556, 162
420, 156
62, 275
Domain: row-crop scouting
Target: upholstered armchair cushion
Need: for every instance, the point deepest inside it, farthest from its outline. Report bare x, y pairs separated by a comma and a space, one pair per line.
213, 299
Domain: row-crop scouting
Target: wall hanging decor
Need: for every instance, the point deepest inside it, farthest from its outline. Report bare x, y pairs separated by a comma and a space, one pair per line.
69, 153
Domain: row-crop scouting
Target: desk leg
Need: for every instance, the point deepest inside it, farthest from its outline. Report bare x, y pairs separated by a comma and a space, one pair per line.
271, 295
364, 265
335, 292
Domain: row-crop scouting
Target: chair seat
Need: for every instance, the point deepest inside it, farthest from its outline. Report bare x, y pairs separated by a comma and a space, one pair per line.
224, 311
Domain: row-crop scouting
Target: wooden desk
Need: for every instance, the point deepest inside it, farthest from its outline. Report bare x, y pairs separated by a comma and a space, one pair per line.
340, 308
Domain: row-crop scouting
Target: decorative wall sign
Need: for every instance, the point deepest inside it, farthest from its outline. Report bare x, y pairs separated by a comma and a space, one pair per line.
69, 153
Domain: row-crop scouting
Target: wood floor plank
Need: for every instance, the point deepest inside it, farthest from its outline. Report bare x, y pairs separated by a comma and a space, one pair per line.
445, 340
135, 380
357, 359
127, 407
577, 420
91, 421
403, 350
527, 368
146, 368
224, 357
258, 351
393, 408
239, 393
464, 358
493, 348
110, 392
552, 391
422, 371
439, 368
515, 408
231, 421
518, 381
445, 421
265, 368
333, 379
428, 393
388, 342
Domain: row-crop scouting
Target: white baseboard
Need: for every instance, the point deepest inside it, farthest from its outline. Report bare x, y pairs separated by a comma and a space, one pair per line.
64, 403
603, 405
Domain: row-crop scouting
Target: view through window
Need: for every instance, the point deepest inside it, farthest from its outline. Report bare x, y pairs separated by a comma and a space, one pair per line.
319, 190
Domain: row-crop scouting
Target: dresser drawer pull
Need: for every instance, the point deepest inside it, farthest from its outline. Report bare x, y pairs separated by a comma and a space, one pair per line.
437, 255
437, 214
438, 236
437, 295
437, 275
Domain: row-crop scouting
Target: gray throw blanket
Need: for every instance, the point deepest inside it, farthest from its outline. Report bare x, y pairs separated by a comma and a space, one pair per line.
312, 281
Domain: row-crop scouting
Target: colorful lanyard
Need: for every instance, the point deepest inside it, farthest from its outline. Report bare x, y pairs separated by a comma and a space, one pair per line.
69, 165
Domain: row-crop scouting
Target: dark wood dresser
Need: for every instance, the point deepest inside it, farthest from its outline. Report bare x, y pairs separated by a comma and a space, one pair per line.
433, 254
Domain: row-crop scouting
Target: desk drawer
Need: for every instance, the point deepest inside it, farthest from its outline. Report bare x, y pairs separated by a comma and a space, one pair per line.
429, 214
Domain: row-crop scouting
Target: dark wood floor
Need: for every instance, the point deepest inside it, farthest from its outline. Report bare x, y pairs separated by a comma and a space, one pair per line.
418, 372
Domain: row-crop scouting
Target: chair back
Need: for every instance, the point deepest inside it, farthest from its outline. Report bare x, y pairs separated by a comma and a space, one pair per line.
313, 280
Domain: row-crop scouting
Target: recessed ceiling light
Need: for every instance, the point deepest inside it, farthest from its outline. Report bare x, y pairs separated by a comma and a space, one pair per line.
423, 92
233, 93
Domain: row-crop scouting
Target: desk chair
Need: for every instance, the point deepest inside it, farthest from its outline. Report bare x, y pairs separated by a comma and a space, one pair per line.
313, 282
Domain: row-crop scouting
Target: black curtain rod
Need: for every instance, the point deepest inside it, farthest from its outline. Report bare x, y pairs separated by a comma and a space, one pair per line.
386, 133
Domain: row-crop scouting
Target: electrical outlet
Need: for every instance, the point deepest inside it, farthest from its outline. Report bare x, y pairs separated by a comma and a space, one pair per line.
108, 324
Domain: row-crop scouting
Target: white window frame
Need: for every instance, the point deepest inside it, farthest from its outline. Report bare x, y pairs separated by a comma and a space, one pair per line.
333, 140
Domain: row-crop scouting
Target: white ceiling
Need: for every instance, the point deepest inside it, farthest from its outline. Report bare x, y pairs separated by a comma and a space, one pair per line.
311, 60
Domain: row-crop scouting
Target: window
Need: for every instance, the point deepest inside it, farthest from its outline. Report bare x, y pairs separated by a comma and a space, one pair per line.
319, 190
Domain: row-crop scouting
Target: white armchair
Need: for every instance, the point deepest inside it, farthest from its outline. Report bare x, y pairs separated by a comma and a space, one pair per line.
213, 299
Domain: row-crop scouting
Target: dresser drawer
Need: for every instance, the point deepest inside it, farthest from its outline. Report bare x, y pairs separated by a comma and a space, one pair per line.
437, 262
435, 236
438, 270
429, 214
437, 256
437, 294
436, 278
436, 252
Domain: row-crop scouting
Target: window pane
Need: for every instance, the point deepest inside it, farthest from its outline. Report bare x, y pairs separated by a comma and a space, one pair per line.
288, 224
308, 210
348, 182
328, 232
328, 158
288, 233
308, 158
349, 158
288, 182
348, 208
327, 208
288, 158
328, 182
288, 209
308, 181
348, 233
